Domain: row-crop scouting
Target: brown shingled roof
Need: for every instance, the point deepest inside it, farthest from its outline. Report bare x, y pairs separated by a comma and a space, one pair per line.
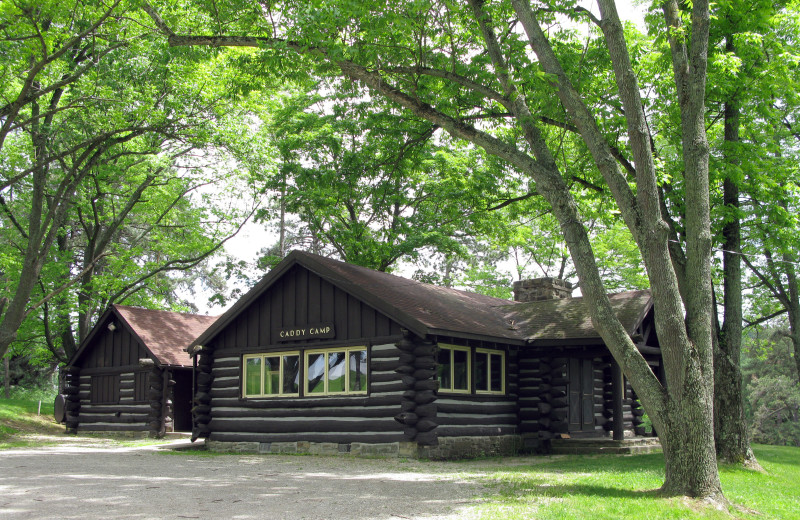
429, 309
439, 309
165, 333
570, 319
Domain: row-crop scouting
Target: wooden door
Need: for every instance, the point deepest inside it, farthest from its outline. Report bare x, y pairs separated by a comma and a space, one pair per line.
581, 398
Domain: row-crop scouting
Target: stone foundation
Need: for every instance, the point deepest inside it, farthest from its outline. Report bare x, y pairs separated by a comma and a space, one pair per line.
449, 448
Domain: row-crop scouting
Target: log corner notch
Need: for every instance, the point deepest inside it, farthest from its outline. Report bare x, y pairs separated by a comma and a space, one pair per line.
203, 362
73, 401
155, 396
552, 407
418, 406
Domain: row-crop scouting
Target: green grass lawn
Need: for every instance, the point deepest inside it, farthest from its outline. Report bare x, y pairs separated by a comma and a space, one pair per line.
613, 487
775, 494
21, 426
21, 416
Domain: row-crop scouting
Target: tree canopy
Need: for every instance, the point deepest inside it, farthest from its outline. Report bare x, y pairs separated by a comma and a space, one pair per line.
113, 173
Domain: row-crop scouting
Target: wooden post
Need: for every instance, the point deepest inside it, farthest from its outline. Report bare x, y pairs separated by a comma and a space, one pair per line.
618, 388
165, 376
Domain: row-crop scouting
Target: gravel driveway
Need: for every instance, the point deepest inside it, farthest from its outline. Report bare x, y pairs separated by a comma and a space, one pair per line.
92, 482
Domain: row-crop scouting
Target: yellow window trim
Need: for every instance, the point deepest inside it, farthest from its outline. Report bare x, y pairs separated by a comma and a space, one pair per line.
263, 367
502, 355
468, 350
325, 352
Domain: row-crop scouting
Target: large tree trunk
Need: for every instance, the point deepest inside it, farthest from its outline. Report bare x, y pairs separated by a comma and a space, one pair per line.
730, 425
689, 457
40, 236
793, 308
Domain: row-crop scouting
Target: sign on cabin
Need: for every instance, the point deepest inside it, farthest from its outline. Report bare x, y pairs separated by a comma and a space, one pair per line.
316, 331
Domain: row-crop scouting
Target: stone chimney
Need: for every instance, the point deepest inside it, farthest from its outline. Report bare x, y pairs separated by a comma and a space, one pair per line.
538, 289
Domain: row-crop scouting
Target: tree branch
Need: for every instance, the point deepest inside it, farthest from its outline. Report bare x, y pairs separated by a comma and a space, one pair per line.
765, 318
58, 290
8, 212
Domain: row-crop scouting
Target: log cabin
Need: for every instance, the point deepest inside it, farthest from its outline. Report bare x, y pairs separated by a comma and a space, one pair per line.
132, 373
327, 357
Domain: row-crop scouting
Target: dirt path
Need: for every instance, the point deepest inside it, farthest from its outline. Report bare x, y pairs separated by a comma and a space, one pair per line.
92, 480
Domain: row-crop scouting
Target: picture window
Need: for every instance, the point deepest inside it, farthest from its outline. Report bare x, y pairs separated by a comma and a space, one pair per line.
336, 371
340, 371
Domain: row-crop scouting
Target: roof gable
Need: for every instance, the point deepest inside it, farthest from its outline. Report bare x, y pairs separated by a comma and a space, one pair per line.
164, 334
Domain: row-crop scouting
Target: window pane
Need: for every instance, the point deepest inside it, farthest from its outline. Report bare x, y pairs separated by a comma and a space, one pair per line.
272, 375
337, 365
358, 370
291, 374
252, 376
497, 373
315, 373
443, 359
460, 370
481, 371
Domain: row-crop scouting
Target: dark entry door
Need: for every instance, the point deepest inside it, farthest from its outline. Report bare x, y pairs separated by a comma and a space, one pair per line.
581, 400
182, 400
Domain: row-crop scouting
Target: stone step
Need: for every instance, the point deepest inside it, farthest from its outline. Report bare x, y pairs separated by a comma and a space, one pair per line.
610, 450
634, 446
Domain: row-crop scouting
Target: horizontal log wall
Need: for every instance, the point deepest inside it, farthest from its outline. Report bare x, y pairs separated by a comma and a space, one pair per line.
598, 369
127, 415
634, 411
482, 415
469, 415
530, 391
319, 419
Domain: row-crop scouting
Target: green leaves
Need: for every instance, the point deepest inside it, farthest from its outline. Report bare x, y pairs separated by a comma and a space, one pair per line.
117, 166
374, 185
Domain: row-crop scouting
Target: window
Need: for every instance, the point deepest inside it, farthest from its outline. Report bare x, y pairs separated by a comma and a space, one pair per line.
454, 369
140, 386
105, 389
340, 371
490, 371
272, 375
336, 371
